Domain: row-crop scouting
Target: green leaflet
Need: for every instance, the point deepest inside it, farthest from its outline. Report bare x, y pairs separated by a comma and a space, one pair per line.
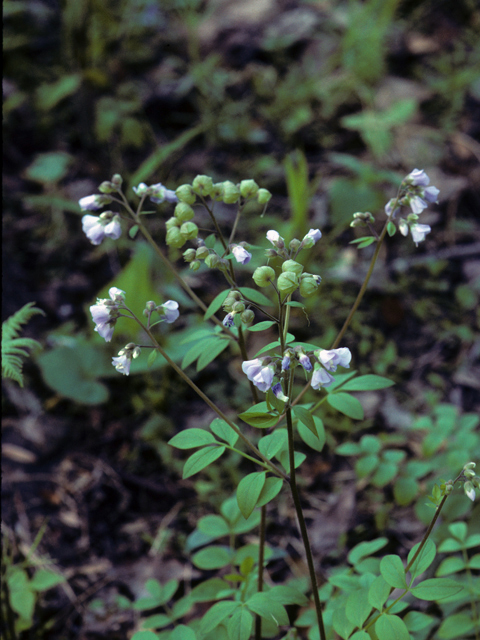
191, 438
389, 627
201, 459
346, 404
248, 492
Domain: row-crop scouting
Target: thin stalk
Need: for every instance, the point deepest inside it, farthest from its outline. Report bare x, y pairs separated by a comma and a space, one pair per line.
261, 559
303, 526
276, 470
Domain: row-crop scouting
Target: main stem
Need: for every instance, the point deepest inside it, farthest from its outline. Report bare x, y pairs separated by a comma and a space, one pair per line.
303, 526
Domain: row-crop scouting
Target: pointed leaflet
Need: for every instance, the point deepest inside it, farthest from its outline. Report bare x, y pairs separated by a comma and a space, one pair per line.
305, 418
217, 614
248, 492
191, 438
201, 459
224, 431
436, 589
346, 404
240, 624
389, 627
391, 568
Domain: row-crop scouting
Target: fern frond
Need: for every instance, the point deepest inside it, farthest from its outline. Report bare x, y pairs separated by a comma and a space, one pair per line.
14, 347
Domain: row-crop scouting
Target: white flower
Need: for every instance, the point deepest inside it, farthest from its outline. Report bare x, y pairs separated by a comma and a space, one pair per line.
260, 375
321, 378
403, 227
389, 210
241, 254
311, 238
171, 311
117, 295
141, 190
113, 229
93, 229
305, 361
418, 177
122, 364
96, 228
104, 313
278, 392
276, 239
469, 490
228, 320
333, 358
431, 194
416, 203
93, 203
419, 231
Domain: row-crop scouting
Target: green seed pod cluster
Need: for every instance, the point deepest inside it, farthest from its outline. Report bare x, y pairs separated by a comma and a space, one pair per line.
231, 300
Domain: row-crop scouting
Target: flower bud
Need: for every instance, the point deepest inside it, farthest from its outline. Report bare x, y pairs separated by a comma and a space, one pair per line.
294, 244
271, 253
231, 193
202, 185
287, 282
308, 286
291, 265
248, 316
189, 255
262, 276
238, 307
202, 252
263, 196
117, 181
174, 238
185, 194
106, 187
136, 352
184, 212
212, 261
248, 188
195, 265
151, 305
189, 230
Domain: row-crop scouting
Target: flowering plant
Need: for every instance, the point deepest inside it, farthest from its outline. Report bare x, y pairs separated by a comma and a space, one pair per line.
255, 606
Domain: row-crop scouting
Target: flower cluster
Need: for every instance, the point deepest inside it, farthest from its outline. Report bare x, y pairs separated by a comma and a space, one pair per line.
106, 312
125, 356
233, 305
261, 371
415, 193
107, 225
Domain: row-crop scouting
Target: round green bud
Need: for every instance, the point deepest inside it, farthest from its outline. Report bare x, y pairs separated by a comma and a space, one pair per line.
247, 316
212, 261
291, 265
174, 238
202, 252
308, 286
263, 196
294, 244
271, 253
263, 276
189, 255
184, 212
231, 193
217, 191
106, 215
189, 230
172, 222
195, 265
185, 194
238, 307
287, 282
107, 187
117, 180
151, 305
248, 188
202, 185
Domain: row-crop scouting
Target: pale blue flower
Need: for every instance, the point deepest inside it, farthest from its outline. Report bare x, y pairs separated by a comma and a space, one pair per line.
260, 375
241, 254
321, 378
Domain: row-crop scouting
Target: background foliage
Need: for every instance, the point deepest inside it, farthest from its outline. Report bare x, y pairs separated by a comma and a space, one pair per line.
327, 104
